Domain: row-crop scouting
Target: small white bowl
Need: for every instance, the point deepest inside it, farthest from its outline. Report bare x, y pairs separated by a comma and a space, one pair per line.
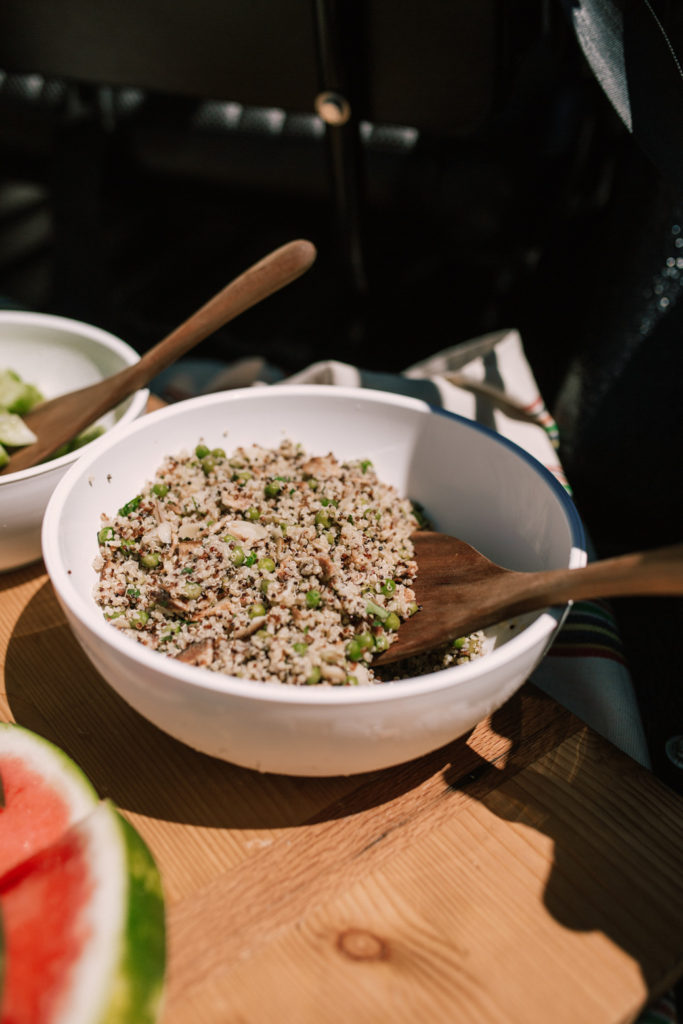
472, 483
56, 354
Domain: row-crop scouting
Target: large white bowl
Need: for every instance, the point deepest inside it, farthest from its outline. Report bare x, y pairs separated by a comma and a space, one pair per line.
472, 483
56, 354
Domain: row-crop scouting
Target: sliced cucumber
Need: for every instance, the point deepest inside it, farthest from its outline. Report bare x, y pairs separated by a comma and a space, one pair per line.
16, 395
31, 396
13, 430
85, 437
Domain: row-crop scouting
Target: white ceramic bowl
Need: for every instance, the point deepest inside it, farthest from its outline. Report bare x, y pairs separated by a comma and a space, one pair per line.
472, 483
57, 355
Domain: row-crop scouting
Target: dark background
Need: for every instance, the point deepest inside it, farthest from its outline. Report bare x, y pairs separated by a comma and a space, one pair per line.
150, 152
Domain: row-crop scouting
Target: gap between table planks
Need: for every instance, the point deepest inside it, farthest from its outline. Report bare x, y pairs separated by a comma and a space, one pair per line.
527, 870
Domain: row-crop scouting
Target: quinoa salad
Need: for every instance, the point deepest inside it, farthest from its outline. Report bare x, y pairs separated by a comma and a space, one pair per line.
267, 564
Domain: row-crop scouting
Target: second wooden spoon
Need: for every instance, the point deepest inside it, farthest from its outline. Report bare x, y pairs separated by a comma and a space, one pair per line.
63, 417
459, 590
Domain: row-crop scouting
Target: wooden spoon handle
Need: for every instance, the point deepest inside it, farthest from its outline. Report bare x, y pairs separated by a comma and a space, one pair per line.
273, 272
63, 417
656, 572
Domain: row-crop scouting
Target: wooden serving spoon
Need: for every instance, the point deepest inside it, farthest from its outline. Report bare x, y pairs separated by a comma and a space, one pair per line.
460, 591
62, 418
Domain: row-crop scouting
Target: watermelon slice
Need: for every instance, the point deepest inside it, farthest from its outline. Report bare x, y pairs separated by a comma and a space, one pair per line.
81, 905
42, 793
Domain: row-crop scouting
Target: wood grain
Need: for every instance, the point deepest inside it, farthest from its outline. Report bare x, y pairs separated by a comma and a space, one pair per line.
526, 871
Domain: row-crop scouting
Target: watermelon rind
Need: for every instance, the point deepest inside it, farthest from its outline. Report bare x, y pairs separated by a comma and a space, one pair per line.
119, 980
138, 987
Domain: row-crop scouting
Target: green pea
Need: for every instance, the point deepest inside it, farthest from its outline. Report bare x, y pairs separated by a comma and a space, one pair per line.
300, 648
161, 490
314, 676
460, 642
272, 488
267, 564
192, 590
366, 640
413, 607
322, 519
150, 560
352, 680
251, 558
201, 451
354, 650
208, 464
381, 642
139, 619
392, 622
252, 513
388, 587
237, 555
313, 484
218, 453
313, 598
263, 586
105, 534
241, 478
255, 611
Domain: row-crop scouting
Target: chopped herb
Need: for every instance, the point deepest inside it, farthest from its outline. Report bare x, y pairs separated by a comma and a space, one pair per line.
130, 506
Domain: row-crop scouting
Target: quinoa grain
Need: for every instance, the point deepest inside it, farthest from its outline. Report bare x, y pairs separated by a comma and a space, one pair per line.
266, 564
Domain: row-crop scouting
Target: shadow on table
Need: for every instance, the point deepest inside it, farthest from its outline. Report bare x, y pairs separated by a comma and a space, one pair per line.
53, 689
616, 834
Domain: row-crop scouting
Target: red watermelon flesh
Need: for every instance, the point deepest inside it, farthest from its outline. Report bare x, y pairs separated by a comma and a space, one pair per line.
34, 814
42, 793
42, 901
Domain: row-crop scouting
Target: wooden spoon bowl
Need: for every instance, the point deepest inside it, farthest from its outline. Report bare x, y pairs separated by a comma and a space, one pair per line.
459, 590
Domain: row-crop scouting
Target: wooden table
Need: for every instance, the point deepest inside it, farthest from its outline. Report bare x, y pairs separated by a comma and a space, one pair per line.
527, 872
